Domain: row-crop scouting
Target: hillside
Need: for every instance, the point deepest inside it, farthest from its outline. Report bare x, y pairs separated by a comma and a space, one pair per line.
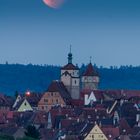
17, 77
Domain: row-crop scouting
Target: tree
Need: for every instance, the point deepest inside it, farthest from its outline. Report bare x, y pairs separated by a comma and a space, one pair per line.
32, 132
26, 138
6, 137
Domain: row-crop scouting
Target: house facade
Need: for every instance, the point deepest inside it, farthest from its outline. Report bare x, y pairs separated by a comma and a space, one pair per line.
56, 95
96, 134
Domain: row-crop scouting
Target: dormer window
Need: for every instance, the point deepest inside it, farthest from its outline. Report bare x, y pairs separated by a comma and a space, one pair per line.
46, 100
57, 100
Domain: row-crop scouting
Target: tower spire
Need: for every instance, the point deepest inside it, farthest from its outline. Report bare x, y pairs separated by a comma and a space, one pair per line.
70, 48
90, 59
70, 56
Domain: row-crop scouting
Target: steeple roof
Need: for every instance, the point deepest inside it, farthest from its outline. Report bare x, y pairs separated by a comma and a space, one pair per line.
70, 66
90, 71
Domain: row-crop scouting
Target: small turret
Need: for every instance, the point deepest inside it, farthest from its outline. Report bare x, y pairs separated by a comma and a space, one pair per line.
90, 78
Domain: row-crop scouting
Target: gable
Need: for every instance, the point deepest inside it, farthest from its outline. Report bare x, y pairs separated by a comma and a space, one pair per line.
25, 106
96, 133
89, 98
51, 98
16, 101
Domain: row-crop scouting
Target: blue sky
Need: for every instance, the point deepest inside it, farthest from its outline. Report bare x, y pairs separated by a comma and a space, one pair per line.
107, 30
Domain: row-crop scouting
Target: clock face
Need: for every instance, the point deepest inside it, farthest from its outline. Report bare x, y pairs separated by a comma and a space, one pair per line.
90, 79
95, 79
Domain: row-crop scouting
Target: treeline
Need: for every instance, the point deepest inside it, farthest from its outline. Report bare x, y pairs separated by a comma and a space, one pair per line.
17, 77
123, 77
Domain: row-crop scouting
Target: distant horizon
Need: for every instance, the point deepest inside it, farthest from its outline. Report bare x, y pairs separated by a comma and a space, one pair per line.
79, 65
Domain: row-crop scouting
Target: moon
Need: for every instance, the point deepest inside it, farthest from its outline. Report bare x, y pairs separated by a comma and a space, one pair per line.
54, 3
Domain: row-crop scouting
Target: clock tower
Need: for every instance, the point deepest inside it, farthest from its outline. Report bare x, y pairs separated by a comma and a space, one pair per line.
90, 79
70, 77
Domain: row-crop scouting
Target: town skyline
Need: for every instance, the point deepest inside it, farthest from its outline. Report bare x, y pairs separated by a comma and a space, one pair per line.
69, 70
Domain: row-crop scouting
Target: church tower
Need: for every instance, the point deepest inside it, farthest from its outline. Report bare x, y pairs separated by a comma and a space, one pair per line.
90, 79
70, 77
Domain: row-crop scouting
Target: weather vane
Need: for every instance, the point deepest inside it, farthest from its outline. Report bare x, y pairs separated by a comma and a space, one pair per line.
90, 59
70, 48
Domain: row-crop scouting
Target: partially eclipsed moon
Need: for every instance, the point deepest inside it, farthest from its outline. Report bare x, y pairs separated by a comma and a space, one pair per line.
54, 3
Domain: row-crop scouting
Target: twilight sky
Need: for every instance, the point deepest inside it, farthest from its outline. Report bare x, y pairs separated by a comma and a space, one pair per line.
107, 30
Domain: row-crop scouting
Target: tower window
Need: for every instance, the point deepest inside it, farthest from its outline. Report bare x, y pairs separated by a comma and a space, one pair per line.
56, 100
75, 81
46, 100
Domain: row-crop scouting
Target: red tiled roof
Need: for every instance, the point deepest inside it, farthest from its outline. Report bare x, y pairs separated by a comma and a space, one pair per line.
65, 123
40, 118
126, 94
111, 132
125, 126
60, 112
94, 112
10, 115
98, 93
5, 100
77, 102
90, 71
70, 66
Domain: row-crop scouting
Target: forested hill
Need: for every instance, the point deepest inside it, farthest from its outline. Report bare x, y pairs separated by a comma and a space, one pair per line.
16, 77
